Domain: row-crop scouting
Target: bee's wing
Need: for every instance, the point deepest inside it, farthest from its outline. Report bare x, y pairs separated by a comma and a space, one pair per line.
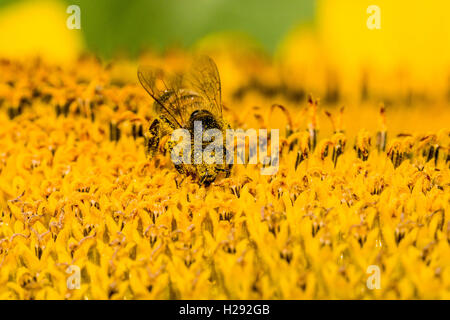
164, 89
203, 78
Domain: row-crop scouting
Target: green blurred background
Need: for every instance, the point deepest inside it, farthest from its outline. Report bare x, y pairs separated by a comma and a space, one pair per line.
111, 26
323, 46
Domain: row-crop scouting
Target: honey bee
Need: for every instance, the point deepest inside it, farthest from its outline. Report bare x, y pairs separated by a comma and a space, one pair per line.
181, 101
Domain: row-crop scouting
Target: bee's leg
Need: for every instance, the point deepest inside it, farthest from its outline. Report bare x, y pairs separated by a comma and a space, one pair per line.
153, 137
159, 129
228, 170
207, 174
207, 178
179, 168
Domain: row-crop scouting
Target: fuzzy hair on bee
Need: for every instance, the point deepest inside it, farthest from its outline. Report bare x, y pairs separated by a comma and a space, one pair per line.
180, 101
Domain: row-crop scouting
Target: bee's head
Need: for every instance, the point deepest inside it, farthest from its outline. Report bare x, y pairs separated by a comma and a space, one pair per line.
207, 119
